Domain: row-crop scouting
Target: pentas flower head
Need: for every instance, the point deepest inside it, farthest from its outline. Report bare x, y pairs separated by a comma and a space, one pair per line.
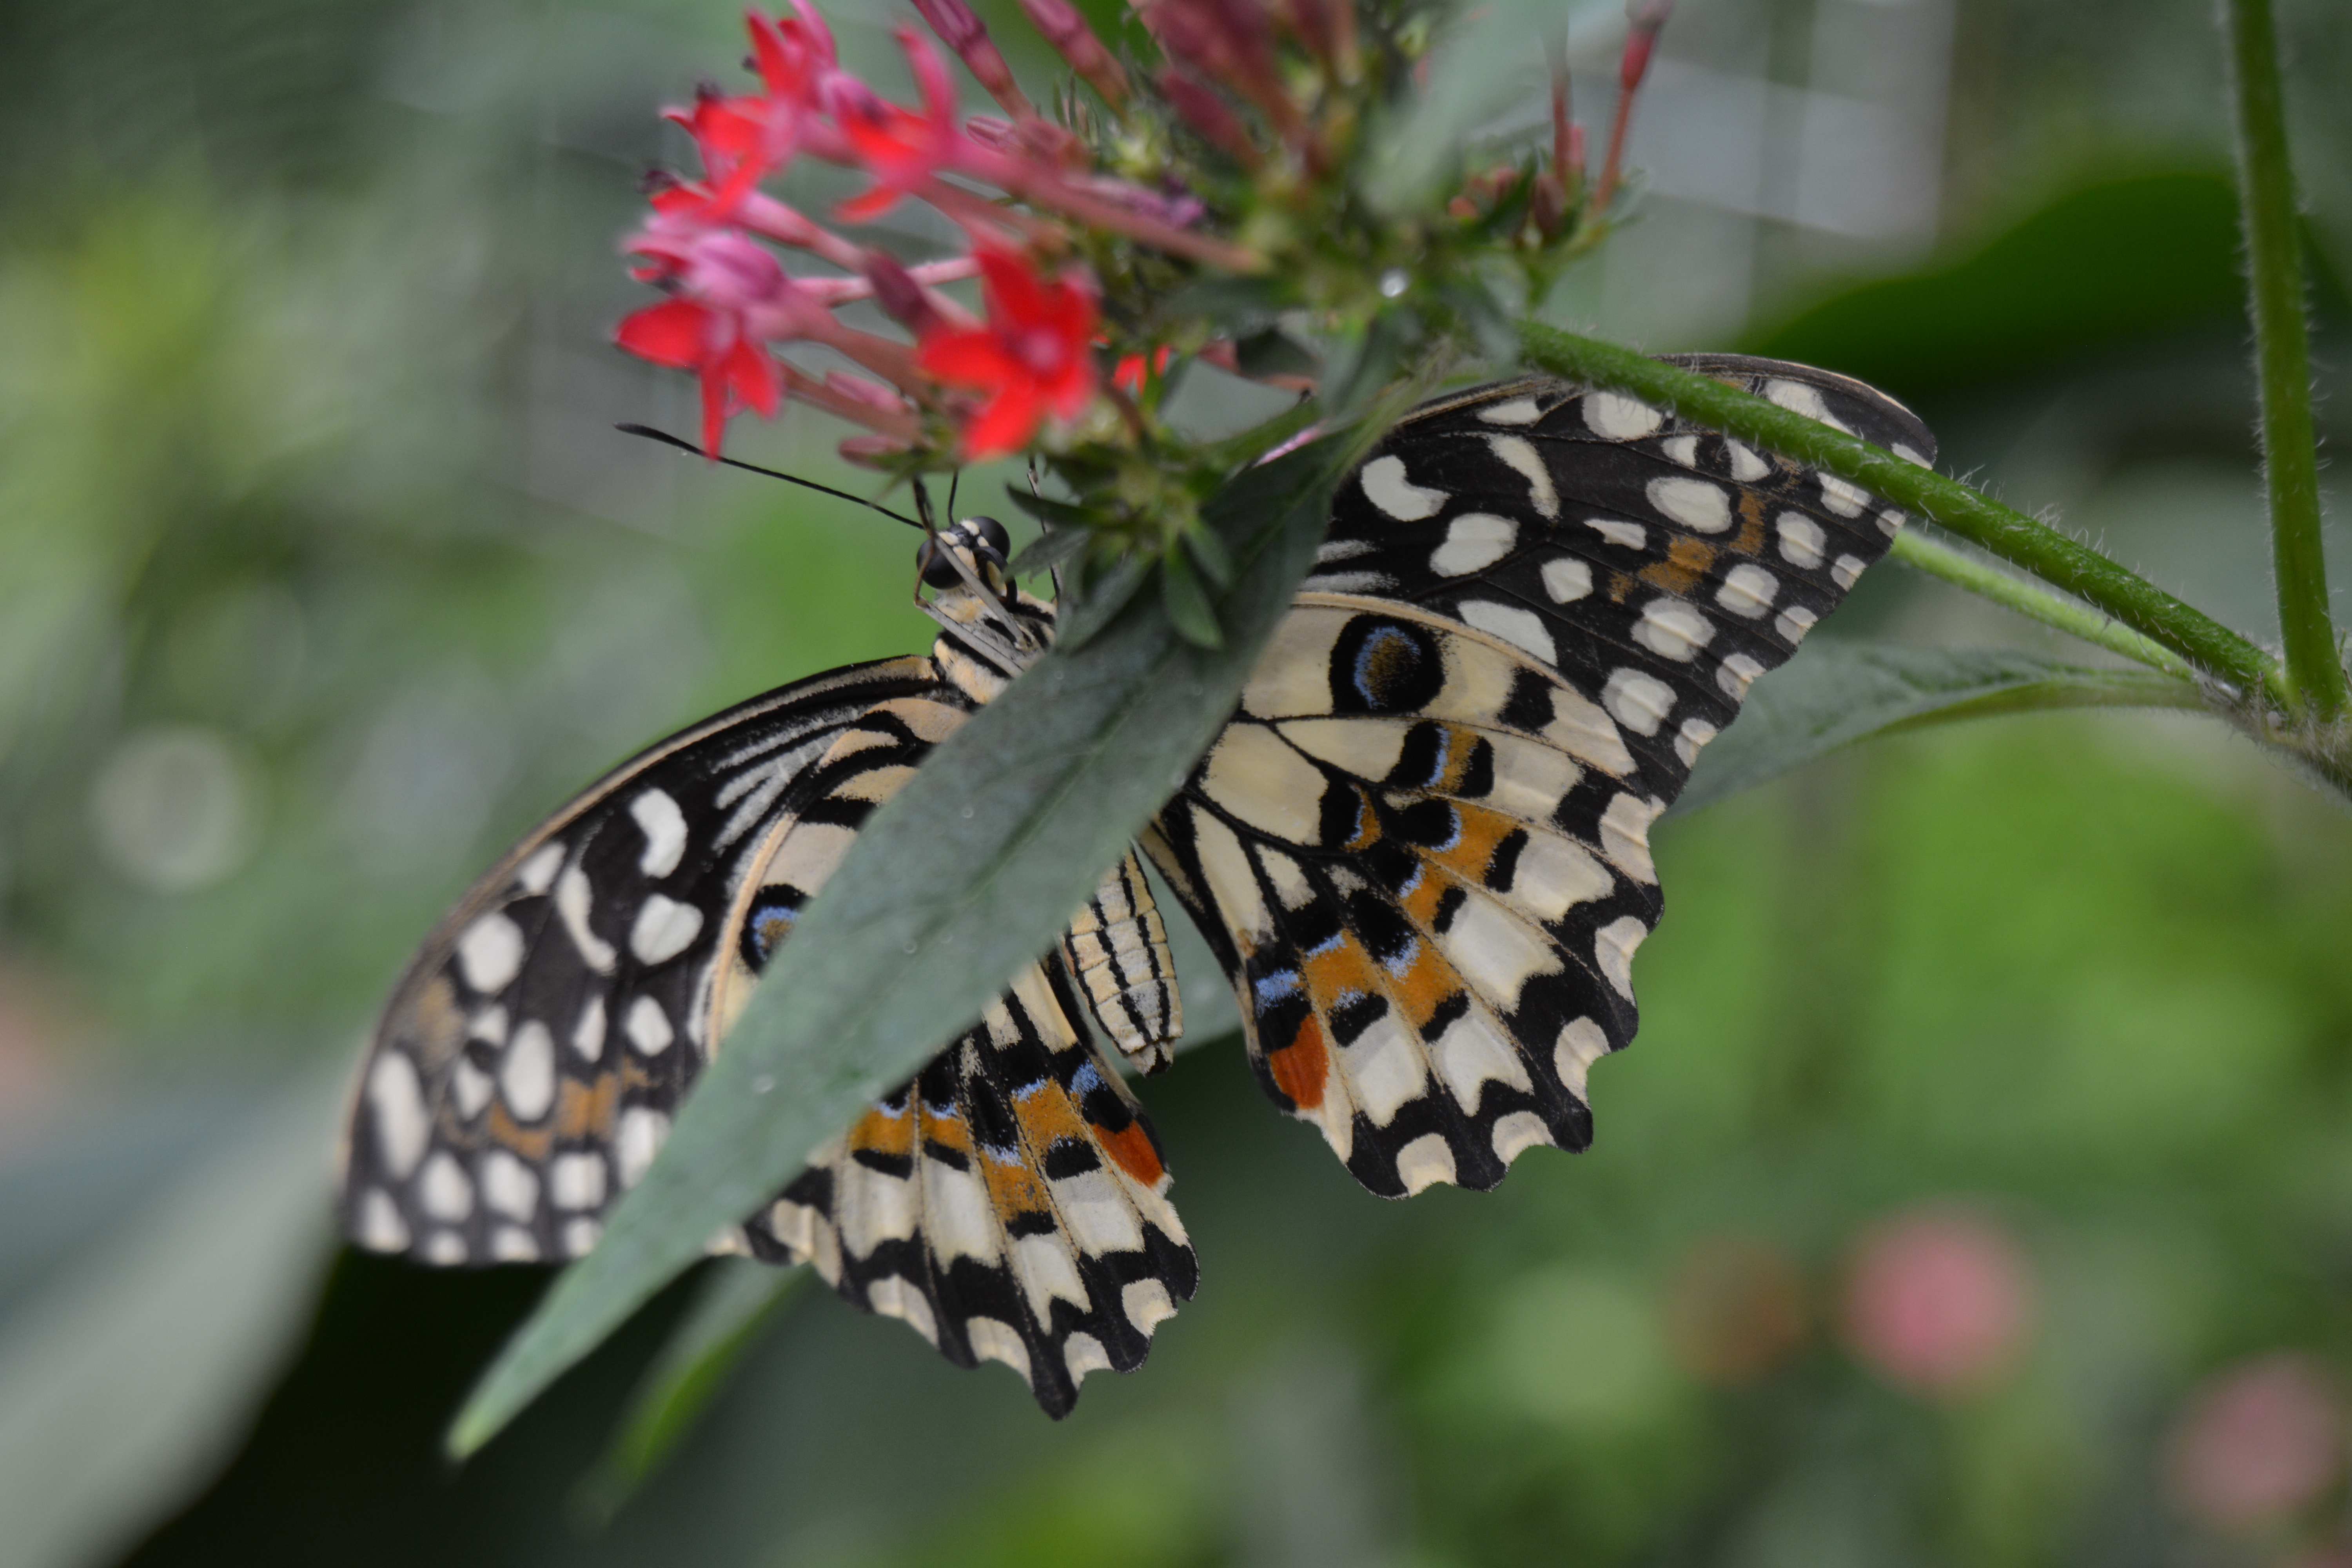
1035, 356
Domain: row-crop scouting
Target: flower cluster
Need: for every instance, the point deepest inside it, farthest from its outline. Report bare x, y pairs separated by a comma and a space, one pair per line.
1234, 158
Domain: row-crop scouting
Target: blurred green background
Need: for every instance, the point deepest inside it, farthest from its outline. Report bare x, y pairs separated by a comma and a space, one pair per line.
1979, 1191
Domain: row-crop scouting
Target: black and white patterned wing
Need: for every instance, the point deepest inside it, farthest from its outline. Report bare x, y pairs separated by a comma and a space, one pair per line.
1420, 849
530, 1063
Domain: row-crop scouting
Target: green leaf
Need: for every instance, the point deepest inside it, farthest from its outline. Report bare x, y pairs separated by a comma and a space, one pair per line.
1105, 594
736, 1300
1048, 550
1186, 600
1836, 693
967, 874
1274, 353
1210, 555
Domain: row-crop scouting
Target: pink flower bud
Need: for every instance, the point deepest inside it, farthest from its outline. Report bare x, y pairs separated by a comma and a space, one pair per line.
1938, 1302
1207, 113
2261, 1441
962, 31
1062, 27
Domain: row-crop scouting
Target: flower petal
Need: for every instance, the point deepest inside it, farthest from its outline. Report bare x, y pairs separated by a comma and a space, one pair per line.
676, 332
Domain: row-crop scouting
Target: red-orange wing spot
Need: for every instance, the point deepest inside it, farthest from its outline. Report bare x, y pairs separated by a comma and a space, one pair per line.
1300, 1066
1130, 1146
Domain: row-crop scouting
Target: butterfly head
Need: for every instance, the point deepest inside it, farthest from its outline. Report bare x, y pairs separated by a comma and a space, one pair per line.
979, 606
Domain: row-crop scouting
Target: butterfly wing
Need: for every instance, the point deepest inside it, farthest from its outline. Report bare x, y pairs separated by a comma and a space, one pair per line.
528, 1067
1420, 849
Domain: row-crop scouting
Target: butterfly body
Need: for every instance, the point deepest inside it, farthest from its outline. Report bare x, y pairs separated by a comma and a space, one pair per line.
1419, 850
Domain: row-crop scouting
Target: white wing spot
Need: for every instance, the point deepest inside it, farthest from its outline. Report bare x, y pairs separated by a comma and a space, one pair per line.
1612, 948
992, 1339
588, 1035
1909, 455
489, 1025
1580, 1045
508, 1185
470, 1087
490, 953
1842, 498
1567, 579
639, 1138
664, 829
1797, 398
1697, 504
442, 1188
648, 1026
1682, 449
1800, 539
1082, 1353
536, 875
1737, 674
1620, 417
528, 1074
1517, 411
1640, 702
1845, 569
1695, 733
580, 1236
1890, 522
664, 928
577, 1181
1671, 628
511, 1244
1746, 466
1386, 487
574, 898
1513, 624
1521, 456
397, 1097
1632, 535
1794, 622
381, 1227
1748, 589
1474, 542
1516, 1134
1425, 1162
445, 1249
1625, 836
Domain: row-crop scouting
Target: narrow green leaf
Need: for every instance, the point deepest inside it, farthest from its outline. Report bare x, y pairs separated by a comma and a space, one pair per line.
1836, 693
1210, 555
966, 875
736, 1302
1186, 600
1105, 594
1049, 550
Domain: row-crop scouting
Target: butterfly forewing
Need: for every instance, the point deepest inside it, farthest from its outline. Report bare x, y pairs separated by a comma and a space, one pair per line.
1422, 848
1010, 1202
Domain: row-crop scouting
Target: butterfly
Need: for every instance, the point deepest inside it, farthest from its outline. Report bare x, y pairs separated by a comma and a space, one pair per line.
1419, 850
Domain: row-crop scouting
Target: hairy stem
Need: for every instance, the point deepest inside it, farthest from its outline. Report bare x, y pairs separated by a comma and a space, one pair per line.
2015, 537
2314, 674
2069, 616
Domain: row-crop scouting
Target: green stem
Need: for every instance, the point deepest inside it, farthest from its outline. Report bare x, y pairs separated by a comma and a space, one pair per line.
2069, 616
2015, 537
2315, 673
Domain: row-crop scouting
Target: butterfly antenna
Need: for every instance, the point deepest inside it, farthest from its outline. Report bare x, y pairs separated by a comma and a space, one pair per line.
953, 479
650, 434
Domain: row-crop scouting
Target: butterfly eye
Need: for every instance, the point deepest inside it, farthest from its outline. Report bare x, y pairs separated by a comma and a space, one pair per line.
992, 533
938, 568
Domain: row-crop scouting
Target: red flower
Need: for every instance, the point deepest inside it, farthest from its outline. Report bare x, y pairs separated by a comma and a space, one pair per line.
736, 372
1034, 357
900, 148
1127, 374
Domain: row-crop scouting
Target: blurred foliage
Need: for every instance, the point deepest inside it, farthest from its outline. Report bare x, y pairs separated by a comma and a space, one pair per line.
322, 575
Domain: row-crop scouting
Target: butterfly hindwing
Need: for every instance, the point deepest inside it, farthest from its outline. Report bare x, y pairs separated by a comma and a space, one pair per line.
1420, 849
1009, 1203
